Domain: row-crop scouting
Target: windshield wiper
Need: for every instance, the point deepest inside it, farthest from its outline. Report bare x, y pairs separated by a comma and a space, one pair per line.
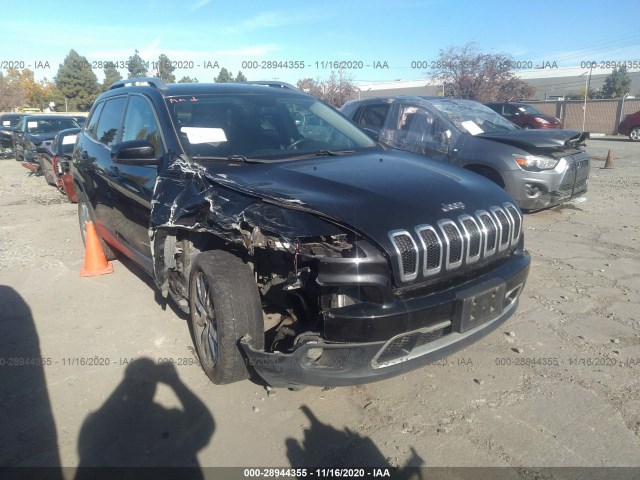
332, 153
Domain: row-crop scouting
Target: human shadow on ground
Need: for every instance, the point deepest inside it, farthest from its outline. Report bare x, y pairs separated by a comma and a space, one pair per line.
326, 447
28, 433
131, 430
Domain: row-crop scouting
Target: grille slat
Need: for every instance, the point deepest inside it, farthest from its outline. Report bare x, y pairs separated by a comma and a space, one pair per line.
432, 249
454, 243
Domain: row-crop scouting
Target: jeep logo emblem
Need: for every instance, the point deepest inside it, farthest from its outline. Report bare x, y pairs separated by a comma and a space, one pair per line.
447, 207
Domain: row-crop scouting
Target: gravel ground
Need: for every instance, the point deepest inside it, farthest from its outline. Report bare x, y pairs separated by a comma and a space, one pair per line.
558, 387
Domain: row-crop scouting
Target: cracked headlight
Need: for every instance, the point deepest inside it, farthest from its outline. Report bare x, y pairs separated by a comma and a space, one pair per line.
535, 163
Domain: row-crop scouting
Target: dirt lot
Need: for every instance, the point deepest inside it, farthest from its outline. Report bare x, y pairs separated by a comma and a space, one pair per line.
558, 386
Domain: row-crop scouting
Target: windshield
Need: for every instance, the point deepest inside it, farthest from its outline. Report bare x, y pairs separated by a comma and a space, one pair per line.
9, 121
528, 109
49, 125
472, 117
262, 126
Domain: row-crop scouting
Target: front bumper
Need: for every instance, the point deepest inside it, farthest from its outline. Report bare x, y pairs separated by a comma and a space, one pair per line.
538, 190
436, 336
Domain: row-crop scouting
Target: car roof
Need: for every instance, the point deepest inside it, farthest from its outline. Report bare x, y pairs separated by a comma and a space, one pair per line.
414, 98
179, 89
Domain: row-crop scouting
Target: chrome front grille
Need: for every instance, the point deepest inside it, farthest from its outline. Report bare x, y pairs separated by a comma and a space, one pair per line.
407, 252
452, 243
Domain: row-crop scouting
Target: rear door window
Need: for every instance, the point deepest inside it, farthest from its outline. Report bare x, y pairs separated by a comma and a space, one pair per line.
109, 125
93, 121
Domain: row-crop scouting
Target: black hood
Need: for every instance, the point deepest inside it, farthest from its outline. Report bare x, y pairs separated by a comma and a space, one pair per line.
372, 193
539, 138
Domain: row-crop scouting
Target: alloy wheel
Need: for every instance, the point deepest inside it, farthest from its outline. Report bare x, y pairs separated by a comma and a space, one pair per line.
205, 323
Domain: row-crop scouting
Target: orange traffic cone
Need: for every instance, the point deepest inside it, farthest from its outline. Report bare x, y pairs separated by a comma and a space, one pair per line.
95, 263
609, 162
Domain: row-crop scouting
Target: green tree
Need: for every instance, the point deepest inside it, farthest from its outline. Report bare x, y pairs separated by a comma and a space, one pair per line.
111, 75
240, 77
616, 84
468, 73
224, 76
165, 69
77, 82
137, 67
186, 79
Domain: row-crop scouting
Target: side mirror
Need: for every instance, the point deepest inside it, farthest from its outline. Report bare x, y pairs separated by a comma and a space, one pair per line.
134, 152
372, 133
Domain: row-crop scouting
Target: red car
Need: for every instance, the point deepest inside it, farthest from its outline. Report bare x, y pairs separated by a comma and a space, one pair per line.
54, 158
524, 115
630, 125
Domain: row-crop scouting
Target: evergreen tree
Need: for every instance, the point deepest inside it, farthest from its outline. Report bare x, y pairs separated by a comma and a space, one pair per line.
77, 82
111, 75
165, 69
616, 84
224, 76
186, 79
240, 77
137, 67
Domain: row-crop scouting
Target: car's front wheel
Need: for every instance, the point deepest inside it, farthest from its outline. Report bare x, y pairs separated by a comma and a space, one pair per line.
634, 134
225, 306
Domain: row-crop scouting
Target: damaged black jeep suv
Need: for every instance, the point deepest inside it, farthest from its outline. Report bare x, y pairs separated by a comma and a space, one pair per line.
302, 249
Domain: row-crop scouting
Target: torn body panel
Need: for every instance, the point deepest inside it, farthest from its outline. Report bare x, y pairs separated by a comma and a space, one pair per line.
188, 198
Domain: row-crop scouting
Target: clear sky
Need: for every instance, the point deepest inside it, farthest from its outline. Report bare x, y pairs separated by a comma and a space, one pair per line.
374, 33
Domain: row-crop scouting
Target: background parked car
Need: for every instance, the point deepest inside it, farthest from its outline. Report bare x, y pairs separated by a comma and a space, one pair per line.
35, 129
524, 115
54, 157
8, 122
630, 125
538, 168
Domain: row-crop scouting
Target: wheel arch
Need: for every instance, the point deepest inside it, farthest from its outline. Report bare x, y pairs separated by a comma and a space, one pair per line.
487, 172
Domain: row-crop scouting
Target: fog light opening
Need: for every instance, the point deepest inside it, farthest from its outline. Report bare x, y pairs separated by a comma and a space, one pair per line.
534, 190
313, 354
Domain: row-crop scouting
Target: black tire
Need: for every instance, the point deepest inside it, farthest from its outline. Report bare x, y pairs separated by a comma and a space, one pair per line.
85, 213
634, 134
224, 306
46, 174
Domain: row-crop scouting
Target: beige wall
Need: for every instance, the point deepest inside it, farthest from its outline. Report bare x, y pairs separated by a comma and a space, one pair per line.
602, 116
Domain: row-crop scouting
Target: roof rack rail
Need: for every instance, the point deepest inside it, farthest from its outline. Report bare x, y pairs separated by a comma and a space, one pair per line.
272, 83
151, 81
